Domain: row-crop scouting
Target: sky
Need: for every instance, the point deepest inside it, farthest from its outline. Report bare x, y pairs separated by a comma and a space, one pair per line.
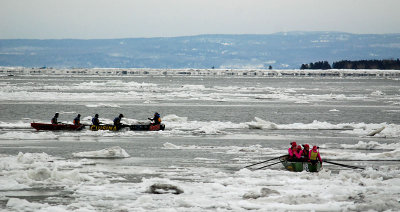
98, 19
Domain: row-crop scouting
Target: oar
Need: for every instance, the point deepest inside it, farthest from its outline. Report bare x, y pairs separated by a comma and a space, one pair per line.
267, 165
264, 161
363, 160
344, 165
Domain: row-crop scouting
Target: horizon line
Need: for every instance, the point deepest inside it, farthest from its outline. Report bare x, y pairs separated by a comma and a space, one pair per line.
211, 34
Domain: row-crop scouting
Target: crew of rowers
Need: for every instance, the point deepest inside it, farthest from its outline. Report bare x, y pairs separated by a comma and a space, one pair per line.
95, 120
297, 154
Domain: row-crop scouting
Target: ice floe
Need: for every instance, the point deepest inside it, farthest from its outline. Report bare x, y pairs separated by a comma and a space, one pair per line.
112, 152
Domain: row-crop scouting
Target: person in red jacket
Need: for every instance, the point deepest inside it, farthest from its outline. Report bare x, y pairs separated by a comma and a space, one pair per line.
314, 155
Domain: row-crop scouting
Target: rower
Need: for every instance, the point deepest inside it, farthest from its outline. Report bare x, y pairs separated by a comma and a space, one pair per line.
77, 120
298, 153
54, 119
117, 120
314, 155
304, 154
95, 120
156, 119
292, 151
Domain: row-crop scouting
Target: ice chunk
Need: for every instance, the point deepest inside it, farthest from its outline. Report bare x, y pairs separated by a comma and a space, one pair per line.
112, 152
160, 188
40, 174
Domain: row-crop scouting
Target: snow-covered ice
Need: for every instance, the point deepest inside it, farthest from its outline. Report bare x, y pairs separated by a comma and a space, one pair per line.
216, 124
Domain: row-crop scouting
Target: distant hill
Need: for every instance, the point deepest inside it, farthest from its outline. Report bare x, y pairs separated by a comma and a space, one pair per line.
280, 50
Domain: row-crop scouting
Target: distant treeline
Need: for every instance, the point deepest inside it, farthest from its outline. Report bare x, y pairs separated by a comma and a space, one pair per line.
358, 64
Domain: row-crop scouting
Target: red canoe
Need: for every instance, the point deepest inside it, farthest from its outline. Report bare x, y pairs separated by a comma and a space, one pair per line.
43, 126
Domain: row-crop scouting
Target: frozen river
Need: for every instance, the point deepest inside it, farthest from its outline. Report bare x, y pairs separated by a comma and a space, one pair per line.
215, 125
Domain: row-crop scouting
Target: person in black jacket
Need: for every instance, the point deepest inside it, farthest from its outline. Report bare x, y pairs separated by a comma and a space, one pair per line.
54, 119
95, 120
77, 120
117, 120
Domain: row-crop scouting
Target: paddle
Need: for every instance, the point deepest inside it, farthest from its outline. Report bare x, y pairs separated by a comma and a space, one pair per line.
267, 165
344, 165
264, 161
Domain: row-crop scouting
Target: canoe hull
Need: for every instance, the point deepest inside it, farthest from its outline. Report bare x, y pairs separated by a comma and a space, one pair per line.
56, 127
138, 127
146, 127
104, 127
300, 166
313, 167
291, 166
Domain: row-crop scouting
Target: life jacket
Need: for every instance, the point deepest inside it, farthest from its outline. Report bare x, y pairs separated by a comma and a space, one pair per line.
54, 120
313, 155
157, 120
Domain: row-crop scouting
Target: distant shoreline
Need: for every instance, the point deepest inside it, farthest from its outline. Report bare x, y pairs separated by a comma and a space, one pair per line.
372, 73
280, 51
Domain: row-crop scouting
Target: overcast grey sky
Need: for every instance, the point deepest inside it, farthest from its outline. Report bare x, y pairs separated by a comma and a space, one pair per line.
87, 19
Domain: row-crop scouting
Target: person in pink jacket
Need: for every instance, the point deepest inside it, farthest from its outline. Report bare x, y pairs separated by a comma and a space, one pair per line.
314, 155
293, 152
298, 155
